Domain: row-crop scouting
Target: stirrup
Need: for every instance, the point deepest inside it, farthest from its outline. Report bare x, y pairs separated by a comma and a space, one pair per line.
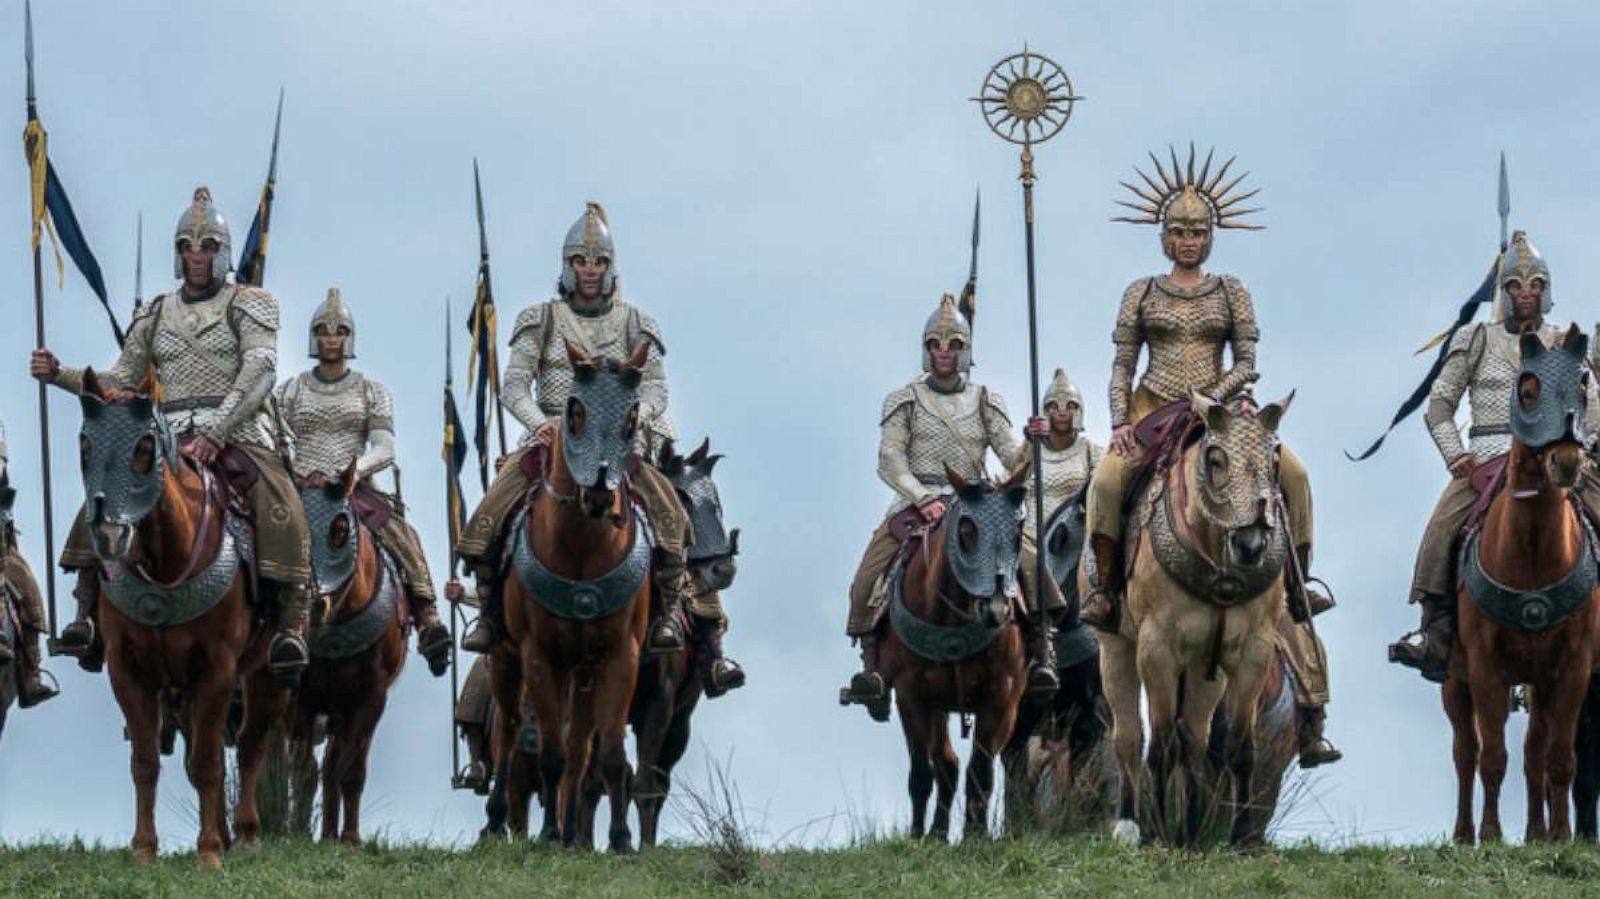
40, 692
474, 777
287, 658
481, 638
1415, 656
666, 635
76, 640
1320, 752
722, 675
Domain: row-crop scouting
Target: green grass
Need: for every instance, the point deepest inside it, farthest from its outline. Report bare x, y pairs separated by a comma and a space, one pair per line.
887, 870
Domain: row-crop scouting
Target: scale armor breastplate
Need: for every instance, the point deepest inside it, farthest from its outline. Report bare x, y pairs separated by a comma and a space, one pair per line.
197, 358
1489, 394
933, 444
612, 334
1185, 332
330, 422
1064, 473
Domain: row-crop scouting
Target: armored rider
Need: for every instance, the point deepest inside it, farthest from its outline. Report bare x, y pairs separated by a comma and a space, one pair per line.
940, 419
589, 312
22, 589
213, 345
337, 416
1481, 362
1069, 459
1184, 320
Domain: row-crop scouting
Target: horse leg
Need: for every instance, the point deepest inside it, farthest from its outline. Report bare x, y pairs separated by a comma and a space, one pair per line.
304, 761
141, 710
333, 763
545, 692
505, 721
919, 782
1457, 698
1014, 761
1200, 700
1564, 705
611, 705
1242, 704
1491, 701
653, 719
208, 709
264, 703
1586, 784
990, 732
1159, 673
356, 750
1535, 758
579, 752
1120, 675
946, 772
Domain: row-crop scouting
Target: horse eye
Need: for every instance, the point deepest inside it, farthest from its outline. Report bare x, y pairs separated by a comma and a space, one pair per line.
144, 455
1217, 466
967, 533
576, 417
631, 424
1528, 390
339, 532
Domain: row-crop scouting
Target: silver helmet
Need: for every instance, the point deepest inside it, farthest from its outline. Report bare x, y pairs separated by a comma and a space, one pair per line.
945, 326
590, 238
1064, 393
1521, 262
332, 315
199, 223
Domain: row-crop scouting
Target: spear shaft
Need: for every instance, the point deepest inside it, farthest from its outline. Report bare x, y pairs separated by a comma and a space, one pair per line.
1039, 573
450, 500
38, 335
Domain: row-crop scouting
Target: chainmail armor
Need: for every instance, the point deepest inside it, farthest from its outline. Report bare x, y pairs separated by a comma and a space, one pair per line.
1064, 472
1184, 331
336, 421
916, 443
538, 375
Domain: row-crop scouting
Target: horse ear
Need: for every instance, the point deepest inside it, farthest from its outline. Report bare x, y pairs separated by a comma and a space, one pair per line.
1576, 342
957, 482
699, 454
667, 458
91, 404
1019, 475
91, 385
141, 406
1213, 413
639, 356
711, 463
1272, 413
733, 542
1532, 346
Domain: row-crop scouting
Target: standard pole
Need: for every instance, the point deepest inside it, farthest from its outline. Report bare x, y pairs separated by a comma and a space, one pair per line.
44, 452
1027, 178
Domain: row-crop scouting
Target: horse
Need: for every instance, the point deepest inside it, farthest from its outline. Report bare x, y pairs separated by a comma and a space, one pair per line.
669, 688
1527, 606
1203, 599
358, 649
11, 628
954, 644
577, 605
174, 607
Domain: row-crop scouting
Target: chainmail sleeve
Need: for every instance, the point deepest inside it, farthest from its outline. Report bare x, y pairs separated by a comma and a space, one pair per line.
1010, 450
653, 390
522, 367
1242, 340
894, 444
255, 317
1445, 397
130, 368
380, 431
1126, 338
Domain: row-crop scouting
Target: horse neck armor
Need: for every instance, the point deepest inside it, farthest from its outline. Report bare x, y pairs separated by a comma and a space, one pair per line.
1194, 570
342, 639
1530, 611
935, 642
330, 421
157, 606
586, 600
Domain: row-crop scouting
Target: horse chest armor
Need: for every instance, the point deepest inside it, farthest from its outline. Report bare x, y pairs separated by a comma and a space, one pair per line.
1492, 382
946, 429
607, 334
1196, 574
330, 423
157, 606
358, 633
935, 642
585, 600
1184, 335
1530, 611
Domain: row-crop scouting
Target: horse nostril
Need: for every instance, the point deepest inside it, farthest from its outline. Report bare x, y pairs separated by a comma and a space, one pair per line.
1248, 545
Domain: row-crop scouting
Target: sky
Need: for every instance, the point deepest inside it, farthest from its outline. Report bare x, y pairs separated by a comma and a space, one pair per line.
790, 188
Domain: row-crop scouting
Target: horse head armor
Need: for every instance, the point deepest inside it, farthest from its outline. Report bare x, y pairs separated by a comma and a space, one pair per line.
126, 449
602, 417
983, 535
1547, 404
712, 553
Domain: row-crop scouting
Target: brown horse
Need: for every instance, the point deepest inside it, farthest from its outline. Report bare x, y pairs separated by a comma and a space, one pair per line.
1528, 609
577, 605
358, 649
1200, 622
11, 626
173, 607
954, 645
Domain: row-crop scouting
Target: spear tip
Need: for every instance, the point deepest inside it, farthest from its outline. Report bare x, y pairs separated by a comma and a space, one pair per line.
27, 43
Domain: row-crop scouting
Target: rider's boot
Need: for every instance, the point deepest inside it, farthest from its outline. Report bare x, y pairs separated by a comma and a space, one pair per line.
288, 655
487, 629
1430, 654
81, 639
433, 638
867, 686
718, 674
1042, 680
672, 579
1315, 748
34, 690
1306, 602
1102, 607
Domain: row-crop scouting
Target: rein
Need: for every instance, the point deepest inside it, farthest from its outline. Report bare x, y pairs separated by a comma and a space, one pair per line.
197, 547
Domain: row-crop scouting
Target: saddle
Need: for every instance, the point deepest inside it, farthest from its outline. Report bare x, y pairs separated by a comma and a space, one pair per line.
1487, 479
1162, 436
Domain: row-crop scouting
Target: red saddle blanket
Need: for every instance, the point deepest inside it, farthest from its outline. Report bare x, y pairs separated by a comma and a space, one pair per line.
1487, 479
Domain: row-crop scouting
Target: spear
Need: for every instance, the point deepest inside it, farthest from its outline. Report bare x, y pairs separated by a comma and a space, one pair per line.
968, 304
38, 159
138, 268
1505, 202
452, 503
1026, 99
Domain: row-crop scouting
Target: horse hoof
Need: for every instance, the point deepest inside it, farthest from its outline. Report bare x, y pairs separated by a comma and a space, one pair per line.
208, 861
1125, 832
247, 846
145, 855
